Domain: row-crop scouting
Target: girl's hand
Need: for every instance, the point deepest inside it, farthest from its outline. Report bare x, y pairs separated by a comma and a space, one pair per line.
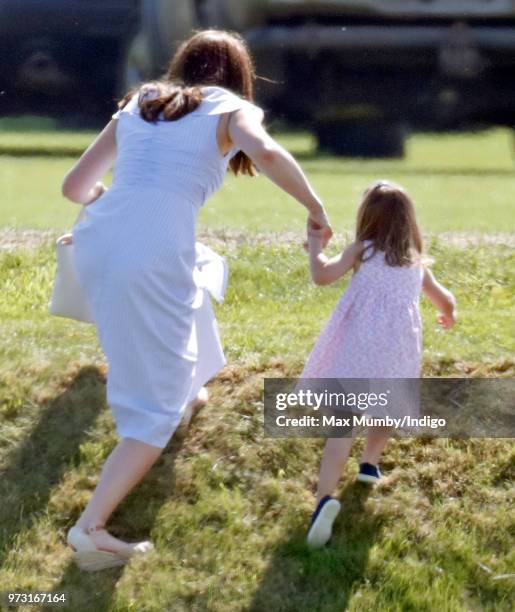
447, 320
441, 297
315, 239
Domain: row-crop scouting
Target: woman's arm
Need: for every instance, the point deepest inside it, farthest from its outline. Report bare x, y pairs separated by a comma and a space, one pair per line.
325, 271
246, 132
441, 297
81, 183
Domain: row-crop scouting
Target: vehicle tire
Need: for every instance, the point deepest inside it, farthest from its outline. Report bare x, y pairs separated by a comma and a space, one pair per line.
361, 138
235, 14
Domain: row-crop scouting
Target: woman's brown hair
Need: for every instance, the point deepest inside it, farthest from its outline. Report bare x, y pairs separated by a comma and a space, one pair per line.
386, 217
210, 57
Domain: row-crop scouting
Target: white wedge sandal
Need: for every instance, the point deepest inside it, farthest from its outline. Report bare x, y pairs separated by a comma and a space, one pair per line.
89, 558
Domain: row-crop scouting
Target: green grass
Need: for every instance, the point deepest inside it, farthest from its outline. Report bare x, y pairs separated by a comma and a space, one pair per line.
459, 182
272, 308
227, 508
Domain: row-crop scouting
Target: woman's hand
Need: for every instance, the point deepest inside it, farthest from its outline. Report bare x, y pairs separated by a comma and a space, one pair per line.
66, 239
95, 192
319, 227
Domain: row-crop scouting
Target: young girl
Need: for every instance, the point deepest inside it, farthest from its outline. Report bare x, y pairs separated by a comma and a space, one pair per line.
375, 330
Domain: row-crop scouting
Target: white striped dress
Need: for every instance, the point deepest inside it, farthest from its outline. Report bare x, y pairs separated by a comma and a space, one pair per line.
136, 256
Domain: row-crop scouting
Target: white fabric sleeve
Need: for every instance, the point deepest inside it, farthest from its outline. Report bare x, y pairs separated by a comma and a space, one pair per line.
217, 100
255, 110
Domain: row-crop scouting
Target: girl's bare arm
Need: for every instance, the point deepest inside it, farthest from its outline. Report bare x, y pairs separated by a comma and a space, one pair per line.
81, 183
441, 297
325, 271
247, 133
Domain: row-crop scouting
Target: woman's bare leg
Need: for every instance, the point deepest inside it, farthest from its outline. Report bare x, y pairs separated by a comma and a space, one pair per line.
377, 437
125, 467
335, 457
129, 461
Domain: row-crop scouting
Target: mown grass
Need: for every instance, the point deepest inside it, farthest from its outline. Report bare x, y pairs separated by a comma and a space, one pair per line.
460, 182
228, 508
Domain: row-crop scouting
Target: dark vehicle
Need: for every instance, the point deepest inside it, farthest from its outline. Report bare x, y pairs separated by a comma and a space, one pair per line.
357, 72
64, 57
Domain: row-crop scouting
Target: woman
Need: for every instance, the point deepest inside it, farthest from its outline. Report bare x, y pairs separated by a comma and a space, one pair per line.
172, 141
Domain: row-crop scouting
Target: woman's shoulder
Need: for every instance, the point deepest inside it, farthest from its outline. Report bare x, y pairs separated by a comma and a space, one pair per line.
216, 93
217, 100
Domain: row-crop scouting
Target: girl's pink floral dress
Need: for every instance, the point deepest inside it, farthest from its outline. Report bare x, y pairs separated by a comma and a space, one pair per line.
375, 330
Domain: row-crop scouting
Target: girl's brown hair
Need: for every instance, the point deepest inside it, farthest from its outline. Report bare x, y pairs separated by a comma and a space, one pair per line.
210, 57
386, 217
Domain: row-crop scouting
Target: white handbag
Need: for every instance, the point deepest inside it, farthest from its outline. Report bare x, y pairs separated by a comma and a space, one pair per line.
68, 298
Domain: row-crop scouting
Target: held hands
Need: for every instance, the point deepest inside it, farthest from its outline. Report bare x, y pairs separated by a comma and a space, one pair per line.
315, 239
318, 227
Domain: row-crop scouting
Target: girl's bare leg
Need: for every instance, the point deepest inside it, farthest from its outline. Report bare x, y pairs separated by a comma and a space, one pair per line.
335, 457
125, 467
377, 437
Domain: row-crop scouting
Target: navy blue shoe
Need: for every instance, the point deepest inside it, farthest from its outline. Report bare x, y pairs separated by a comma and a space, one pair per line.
368, 473
322, 520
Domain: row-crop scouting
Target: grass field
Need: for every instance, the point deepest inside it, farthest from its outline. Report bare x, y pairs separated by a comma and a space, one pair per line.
460, 183
226, 507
